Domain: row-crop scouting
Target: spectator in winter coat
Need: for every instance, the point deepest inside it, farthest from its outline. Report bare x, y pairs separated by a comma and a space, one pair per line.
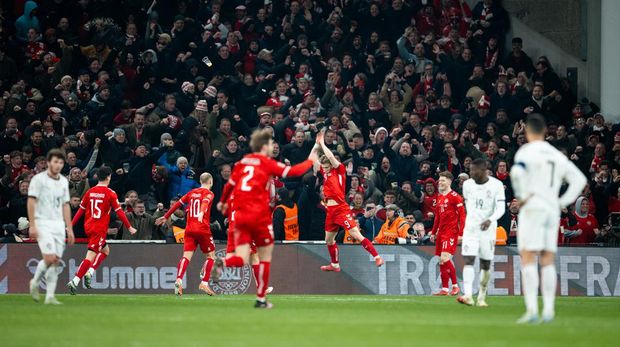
180, 179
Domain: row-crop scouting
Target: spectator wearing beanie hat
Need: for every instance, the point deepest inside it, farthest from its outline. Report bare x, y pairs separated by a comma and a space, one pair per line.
186, 98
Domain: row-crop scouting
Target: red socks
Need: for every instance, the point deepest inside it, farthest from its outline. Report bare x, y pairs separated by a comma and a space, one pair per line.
208, 266
84, 266
263, 279
452, 272
98, 260
234, 261
255, 269
368, 246
181, 267
445, 275
333, 252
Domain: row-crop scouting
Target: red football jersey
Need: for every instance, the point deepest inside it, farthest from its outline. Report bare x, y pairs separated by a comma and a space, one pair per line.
449, 214
97, 203
194, 202
428, 204
334, 183
251, 178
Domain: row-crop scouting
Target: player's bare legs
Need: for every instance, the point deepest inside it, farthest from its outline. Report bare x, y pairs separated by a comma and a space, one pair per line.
181, 268
332, 247
548, 277
264, 266
206, 274
529, 273
47, 266
447, 271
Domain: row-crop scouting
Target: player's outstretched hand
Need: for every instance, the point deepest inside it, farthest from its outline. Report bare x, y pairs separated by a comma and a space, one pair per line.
133, 230
70, 236
160, 221
432, 237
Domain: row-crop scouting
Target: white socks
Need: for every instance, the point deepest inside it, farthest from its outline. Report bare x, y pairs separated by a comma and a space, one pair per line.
41, 268
76, 280
468, 280
530, 287
51, 279
548, 287
485, 276
91, 271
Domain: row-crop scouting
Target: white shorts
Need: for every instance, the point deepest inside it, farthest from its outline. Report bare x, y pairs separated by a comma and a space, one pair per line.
537, 230
479, 243
51, 237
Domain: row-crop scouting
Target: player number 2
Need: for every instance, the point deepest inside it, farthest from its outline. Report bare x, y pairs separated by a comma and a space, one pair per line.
95, 211
249, 173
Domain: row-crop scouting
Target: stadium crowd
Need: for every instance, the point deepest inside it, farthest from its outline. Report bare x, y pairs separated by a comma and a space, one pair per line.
162, 91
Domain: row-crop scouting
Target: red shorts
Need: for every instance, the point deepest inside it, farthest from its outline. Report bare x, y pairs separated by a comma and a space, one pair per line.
339, 216
192, 240
230, 242
96, 241
253, 227
446, 243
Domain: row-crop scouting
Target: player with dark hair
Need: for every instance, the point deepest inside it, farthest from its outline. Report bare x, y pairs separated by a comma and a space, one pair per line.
447, 228
538, 174
486, 203
96, 205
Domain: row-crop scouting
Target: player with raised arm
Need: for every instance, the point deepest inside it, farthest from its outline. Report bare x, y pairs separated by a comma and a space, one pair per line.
49, 214
252, 218
197, 204
485, 203
96, 205
338, 211
447, 228
538, 173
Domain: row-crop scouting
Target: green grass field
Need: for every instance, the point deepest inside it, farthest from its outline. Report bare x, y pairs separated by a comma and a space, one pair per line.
165, 320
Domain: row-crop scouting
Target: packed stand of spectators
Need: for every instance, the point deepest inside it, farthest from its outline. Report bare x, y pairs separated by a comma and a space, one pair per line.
162, 91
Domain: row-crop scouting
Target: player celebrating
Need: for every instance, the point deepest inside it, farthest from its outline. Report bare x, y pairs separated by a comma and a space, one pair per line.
226, 206
485, 202
537, 176
447, 227
49, 214
338, 211
252, 218
96, 204
197, 232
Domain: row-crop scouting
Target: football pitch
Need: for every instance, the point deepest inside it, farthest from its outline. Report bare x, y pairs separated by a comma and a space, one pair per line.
299, 320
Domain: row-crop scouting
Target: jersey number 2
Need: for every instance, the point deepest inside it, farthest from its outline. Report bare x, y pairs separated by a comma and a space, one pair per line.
249, 173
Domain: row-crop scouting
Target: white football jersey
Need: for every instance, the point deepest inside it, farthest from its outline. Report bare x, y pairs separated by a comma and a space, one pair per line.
51, 195
538, 173
483, 201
